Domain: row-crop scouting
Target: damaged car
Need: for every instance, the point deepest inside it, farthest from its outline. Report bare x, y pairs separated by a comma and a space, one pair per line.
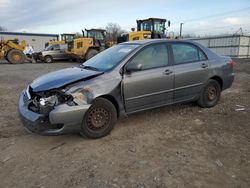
124, 79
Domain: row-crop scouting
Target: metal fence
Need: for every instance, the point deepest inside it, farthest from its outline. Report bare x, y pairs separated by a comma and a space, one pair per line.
234, 45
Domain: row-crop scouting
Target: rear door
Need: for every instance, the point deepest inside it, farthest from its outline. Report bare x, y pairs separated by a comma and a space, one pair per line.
191, 70
153, 85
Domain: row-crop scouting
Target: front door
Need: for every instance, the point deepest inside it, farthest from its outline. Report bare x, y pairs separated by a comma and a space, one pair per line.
152, 86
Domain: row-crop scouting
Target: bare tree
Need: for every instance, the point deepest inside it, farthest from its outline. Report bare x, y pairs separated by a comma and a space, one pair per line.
190, 35
2, 28
113, 31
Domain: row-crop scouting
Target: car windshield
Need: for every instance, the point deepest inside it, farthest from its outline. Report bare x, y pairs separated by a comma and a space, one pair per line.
110, 58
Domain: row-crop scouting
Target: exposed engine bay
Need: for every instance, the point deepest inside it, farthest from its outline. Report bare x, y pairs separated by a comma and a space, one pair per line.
44, 102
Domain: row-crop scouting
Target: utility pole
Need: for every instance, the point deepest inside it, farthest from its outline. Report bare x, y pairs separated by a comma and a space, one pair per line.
181, 29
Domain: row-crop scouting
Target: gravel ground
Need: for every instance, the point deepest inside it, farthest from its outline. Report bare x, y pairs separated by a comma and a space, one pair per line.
175, 146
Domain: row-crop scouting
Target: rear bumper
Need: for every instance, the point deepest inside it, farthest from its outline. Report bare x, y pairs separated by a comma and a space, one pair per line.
227, 83
62, 119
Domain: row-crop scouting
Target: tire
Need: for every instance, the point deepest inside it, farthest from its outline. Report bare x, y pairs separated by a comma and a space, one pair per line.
210, 95
7, 59
91, 53
99, 120
48, 59
15, 56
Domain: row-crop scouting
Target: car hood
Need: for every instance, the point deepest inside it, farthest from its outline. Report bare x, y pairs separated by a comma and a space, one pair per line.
61, 78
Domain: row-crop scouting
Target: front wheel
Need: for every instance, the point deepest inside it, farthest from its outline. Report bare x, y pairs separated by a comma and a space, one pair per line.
210, 95
15, 56
99, 120
48, 59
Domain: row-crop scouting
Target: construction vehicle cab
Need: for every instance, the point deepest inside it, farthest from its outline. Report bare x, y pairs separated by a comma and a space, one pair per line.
155, 25
89, 46
12, 51
150, 28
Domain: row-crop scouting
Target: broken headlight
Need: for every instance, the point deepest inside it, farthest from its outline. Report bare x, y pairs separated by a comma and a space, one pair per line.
50, 101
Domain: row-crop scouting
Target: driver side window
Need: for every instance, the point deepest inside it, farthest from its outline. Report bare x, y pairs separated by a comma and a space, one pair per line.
56, 47
153, 56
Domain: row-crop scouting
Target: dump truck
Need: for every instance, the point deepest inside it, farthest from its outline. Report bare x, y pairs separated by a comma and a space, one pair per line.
150, 28
12, 51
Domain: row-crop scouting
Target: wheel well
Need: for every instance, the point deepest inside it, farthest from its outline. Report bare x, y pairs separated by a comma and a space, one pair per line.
219, 80
113, 101
48, 56
93, 47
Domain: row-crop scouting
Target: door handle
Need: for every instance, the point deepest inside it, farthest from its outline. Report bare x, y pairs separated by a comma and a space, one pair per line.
204, 65
167, 72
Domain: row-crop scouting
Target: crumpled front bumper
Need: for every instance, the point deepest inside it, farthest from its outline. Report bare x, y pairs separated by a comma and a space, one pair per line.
62, 119
38, 56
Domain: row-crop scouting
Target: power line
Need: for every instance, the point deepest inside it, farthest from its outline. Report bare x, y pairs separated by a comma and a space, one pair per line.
215, 15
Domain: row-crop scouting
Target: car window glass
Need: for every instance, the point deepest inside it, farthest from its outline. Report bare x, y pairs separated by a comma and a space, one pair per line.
56, 47
184, 53
152, 57
202, 56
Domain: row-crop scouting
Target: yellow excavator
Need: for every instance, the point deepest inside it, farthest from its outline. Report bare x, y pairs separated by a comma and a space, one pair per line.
12, 51
150, 28
89, 45
65, 38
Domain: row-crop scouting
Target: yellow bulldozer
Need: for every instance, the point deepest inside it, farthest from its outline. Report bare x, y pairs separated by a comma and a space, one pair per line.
12, 51
65, 38
89, 45
150, 28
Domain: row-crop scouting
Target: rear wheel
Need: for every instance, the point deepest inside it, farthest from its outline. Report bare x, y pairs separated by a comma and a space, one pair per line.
15, 56
48, 59
91, 53
99, 120
210, 94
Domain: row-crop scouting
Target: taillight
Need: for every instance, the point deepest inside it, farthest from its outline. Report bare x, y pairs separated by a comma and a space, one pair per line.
232, 63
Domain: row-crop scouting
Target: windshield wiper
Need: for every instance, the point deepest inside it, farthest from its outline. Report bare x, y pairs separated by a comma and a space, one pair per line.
89, 67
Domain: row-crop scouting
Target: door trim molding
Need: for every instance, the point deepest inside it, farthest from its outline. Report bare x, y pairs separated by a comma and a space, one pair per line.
150, 94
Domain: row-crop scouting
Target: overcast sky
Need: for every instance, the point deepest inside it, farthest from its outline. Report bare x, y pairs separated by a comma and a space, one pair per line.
59, 16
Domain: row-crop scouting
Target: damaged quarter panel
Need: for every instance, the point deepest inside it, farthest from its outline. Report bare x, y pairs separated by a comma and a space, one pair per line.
107, 85
45, 107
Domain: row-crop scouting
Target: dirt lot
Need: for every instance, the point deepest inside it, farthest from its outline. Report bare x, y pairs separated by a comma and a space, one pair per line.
176, 146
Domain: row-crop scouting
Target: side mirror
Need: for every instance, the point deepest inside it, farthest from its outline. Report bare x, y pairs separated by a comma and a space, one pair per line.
131, 67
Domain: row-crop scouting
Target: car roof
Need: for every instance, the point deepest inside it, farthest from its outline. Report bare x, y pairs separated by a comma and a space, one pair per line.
145, 42
149, 41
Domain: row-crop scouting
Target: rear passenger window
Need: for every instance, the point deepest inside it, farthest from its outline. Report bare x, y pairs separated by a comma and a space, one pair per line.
202, 56
184, 53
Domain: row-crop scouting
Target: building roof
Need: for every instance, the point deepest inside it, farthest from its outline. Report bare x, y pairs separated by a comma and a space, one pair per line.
28, 34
